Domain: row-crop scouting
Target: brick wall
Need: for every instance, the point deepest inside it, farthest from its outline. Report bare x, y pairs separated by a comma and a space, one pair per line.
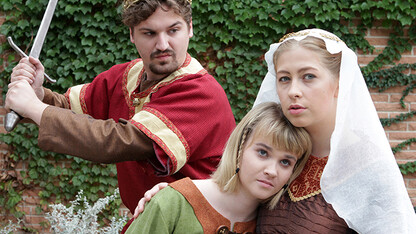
387, 104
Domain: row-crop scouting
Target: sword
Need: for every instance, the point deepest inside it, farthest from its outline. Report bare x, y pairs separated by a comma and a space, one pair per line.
12, 118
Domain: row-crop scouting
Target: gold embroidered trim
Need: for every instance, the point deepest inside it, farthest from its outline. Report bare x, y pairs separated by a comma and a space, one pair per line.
307, 32
296, 199
74, 96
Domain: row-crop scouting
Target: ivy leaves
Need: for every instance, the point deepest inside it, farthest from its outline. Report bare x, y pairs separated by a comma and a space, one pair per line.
81, 43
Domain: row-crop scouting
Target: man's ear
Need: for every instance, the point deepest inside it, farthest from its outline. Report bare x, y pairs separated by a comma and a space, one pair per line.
191, 29
131, 35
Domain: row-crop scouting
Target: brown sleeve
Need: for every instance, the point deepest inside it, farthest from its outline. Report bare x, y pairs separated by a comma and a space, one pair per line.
103, 141
51, 98
55, 99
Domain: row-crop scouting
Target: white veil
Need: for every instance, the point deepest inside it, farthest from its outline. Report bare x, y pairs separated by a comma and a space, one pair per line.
361, 179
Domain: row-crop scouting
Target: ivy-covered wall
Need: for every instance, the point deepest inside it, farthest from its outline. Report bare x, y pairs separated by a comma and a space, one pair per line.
230, 37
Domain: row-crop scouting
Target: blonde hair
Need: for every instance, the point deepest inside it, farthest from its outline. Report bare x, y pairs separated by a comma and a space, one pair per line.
331, 61
265, 119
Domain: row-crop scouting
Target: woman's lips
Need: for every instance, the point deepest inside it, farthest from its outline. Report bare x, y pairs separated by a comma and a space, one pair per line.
265, 183
296, 109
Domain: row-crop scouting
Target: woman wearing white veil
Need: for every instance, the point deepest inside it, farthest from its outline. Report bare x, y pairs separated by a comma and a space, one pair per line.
360, 178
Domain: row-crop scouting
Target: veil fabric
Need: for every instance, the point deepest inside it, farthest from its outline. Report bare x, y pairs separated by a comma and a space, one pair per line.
361, 179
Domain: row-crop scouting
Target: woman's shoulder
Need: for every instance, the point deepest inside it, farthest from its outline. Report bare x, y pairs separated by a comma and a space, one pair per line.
167, 212
172, 192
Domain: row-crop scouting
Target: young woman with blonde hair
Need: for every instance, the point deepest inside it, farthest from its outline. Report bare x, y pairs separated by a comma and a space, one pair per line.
264, 154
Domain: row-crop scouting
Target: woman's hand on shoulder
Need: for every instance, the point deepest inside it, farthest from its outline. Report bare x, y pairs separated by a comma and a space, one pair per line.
147, 196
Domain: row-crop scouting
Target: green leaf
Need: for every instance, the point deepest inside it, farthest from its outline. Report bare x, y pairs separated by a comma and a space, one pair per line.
33, 174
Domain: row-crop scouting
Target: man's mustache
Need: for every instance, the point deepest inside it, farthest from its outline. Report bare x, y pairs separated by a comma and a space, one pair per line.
165, 52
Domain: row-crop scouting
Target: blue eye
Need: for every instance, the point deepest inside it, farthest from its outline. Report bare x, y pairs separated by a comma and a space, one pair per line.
284, 79
262, 153
309, 76
285, 162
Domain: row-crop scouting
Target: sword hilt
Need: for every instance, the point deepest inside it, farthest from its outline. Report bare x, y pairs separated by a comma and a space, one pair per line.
11, 120
21, 53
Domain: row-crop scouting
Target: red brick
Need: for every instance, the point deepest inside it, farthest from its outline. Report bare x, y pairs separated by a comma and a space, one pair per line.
376, 51
378, 97
31, 197
4, 146
411, 183
391, 107
377, 40
20, 165
409, 98
396, 127
380, 31
35, 219
396, 115
403, 162
410, 119
413, 201
406, 59
406, 155
401, 135
29, 210
395, 143
412, 126
396, 89
406, 182
407, 53
364, 60
383, 115
359, 52
377, 24
411, 176
11, 218
412, 193
388, 66
373, 90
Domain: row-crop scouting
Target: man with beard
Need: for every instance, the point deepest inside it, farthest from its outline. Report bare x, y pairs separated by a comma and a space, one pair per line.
160, 117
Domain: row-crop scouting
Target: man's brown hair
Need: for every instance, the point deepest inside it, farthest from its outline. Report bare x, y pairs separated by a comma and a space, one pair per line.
139, 11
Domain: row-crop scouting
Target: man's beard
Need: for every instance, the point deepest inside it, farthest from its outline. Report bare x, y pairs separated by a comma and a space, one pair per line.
164, 67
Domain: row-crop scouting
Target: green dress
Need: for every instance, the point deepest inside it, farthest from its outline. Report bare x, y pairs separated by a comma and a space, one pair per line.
181, 208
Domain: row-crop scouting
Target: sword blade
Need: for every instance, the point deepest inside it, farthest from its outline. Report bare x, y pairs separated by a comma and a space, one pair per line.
43, 29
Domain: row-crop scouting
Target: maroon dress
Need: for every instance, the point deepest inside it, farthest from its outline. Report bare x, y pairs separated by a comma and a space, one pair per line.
303, 209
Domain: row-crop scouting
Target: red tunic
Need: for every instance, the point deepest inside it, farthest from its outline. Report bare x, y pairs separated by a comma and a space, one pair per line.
187, 115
